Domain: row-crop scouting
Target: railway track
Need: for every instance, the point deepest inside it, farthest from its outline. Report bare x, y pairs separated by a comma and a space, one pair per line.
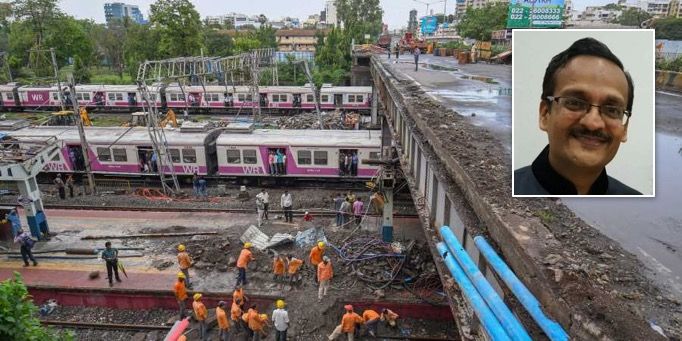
107, 326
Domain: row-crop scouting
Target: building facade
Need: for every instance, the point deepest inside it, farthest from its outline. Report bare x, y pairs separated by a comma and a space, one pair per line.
297, 39
330, 13
118, 11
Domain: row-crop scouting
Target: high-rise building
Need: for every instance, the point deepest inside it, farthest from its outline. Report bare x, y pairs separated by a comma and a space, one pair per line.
119, 10
330, 14
412, 24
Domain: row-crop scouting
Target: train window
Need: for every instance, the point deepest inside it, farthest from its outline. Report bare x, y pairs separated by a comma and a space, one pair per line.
175, 155
279, 98
324, 98
9, 96
358, 99
111, 96
213, 97
320, 157
250, 156
189, 156
351, 98
309, 98
304, 157
55, 96
82, 96
119, 96
245, 97
233, 156
119, 154
103, 154
374, 155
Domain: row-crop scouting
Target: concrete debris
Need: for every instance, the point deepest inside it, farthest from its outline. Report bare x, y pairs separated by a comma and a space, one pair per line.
310, 237
261, 241
329, 120
552, 259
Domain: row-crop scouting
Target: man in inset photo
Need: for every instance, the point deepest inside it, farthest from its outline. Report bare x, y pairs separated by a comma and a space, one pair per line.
585, 109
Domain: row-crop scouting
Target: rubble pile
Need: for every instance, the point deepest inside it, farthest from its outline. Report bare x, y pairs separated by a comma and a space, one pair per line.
210, 252
329, 120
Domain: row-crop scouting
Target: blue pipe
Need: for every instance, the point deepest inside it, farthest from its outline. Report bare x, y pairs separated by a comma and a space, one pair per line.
553, 330
490, 323
513, 327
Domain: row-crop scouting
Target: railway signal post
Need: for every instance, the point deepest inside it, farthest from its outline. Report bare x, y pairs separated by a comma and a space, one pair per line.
386, 183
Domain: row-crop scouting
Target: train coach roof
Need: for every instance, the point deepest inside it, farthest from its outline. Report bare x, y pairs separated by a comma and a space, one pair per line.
309, 138
106, 88
347, 89
111, 135
38, 88
7, 87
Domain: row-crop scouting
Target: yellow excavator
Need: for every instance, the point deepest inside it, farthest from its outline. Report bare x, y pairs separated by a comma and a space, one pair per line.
66, 118
170, 118
140, 119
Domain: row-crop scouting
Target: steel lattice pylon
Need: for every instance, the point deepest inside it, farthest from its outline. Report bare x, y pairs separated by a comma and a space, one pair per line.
175, 69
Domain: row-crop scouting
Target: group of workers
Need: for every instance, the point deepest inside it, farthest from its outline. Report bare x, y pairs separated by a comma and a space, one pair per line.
286, 269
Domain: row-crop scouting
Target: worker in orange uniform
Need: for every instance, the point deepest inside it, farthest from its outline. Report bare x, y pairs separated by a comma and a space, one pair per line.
180, 293
184, 261
249, 315
371, 319
388, 316
236, 314
348, 323
325, 272
278, 267
293, 264
316, 254
200, 313
182, 337
245, 256
223, 322
238, 295
257, 325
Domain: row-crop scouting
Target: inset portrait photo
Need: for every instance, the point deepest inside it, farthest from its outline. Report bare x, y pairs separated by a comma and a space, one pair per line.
583, 113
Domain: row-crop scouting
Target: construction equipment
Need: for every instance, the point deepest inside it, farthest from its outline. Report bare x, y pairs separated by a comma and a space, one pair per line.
408, 42
170, 118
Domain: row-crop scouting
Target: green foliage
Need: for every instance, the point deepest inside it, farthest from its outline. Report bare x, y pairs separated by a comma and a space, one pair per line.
18, 314
360, 17
290, 73
39, 15
141, 44
69, 40
246, 43
81, 74
669, 65
612, 7
180, 28
266, 35
669, 28
218, 43
632, 17
479, 23
460, 45
332, 58
497, 49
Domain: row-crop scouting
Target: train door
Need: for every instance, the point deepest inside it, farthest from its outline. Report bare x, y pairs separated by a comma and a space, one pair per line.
194, 98
98, 99
338, 100
132, 100
348, 162
277, 160
76, 158
263, 100
297, 100
145, 154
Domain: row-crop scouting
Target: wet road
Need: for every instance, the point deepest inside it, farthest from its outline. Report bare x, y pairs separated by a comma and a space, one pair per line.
650, 228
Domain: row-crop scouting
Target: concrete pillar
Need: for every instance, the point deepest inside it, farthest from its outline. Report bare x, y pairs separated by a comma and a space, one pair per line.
387, 223
375, 104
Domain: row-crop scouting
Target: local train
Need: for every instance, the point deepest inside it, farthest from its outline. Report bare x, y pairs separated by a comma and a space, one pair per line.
207, 99
238, 152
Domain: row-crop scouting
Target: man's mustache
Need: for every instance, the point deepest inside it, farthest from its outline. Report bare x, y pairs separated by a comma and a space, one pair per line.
580, 131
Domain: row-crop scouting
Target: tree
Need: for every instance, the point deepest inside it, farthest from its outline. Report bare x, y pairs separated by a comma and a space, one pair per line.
632, 17
69, 39
39, 14
141, 44
612, 7
479, 23
266, 35
668, 28
332, 58
245, 43
18, 314
262, 19
218, 43
179, 26
81, 73
360, 17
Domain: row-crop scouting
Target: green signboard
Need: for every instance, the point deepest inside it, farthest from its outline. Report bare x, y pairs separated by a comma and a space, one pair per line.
535, 14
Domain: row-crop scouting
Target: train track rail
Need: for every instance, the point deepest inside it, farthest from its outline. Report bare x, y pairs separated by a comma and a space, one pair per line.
106, 326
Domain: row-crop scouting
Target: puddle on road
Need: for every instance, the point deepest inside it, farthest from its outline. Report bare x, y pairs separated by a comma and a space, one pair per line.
480, 95
439, 67
651, 228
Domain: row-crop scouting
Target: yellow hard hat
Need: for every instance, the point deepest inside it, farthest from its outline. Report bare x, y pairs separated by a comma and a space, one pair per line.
263, 316
248, 245
181, 275
280, 304
197, 296
181, 247
320, 245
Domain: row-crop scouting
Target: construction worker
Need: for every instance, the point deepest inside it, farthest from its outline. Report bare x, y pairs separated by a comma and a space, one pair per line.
180, 293
250, 314
388, 316
245, 256
280, 318
223, 322
182, 337
184, 261
236, 313
238, 295
110, 256
200, 313
257, 326
316, 254
348, 323
371, 319
293, 265
325, 272
278, 267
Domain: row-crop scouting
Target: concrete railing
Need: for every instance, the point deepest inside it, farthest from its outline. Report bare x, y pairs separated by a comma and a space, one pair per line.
669, 80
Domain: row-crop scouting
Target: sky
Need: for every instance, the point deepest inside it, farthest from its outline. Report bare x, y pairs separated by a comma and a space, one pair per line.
396, 12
